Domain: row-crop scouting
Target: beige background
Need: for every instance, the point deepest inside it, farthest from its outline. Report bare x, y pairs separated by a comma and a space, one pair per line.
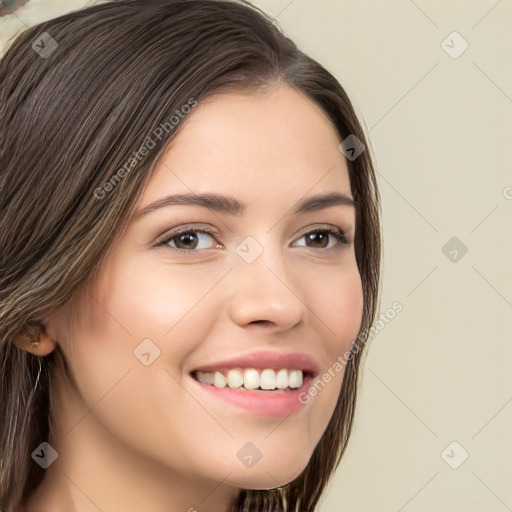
440, 129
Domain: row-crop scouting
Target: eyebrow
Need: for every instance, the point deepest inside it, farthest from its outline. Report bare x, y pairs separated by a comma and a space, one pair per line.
231, 206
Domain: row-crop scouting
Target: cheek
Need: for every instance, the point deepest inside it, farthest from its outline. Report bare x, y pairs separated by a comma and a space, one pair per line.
335, 300
130, 303
175, 309
345, 313
169, 304
339, 308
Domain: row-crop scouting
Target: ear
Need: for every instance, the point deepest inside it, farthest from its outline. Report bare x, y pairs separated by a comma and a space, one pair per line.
34, 338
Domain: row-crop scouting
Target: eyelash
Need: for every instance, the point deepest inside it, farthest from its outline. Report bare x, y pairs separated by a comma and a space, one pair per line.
332, 230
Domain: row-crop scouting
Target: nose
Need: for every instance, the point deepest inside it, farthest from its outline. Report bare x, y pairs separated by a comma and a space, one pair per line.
265, 293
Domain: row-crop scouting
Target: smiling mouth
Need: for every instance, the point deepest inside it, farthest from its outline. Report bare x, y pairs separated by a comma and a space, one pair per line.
265, 380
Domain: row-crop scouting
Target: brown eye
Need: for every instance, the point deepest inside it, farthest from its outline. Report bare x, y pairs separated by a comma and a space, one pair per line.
186, 241
317, 239
323, 239
191, 240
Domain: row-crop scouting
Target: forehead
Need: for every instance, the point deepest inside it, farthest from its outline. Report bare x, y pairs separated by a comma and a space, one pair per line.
253, 146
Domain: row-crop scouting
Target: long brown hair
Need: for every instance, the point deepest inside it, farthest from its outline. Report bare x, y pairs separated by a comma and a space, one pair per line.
79, 95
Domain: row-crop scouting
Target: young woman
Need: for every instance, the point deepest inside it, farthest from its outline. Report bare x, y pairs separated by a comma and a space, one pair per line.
190, 263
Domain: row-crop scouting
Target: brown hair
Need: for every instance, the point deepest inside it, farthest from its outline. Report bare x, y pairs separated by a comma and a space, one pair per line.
70, 118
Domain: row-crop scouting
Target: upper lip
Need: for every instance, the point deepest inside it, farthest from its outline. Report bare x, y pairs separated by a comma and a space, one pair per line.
266, 359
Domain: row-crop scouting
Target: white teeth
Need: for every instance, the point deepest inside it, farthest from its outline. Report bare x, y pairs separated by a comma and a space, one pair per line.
219, 381
250, 378
268, 379
282, 379
205, 377
235, 378
295, 379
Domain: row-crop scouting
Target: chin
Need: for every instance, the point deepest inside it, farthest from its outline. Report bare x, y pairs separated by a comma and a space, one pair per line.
265, 478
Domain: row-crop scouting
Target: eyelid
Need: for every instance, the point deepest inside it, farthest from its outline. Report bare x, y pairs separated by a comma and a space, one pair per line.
342, 236
164, 238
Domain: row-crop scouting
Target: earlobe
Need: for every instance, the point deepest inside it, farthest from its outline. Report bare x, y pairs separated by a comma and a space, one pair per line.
34, 339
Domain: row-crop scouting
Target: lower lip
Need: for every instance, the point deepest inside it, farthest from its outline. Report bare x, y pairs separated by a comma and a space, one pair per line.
271, 404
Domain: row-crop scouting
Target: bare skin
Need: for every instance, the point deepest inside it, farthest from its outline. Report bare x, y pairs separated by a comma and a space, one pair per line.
132, 437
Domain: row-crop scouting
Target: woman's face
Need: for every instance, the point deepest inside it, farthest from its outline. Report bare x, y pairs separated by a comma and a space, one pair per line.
239, 262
